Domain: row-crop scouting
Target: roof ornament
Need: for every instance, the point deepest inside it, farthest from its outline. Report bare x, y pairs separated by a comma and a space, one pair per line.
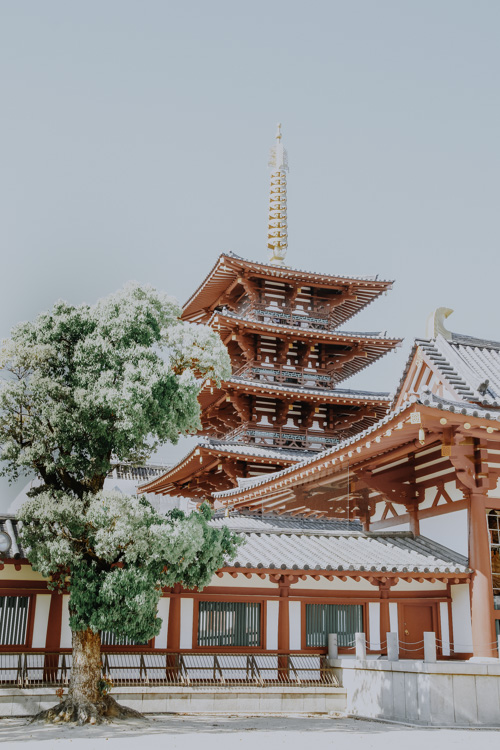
277, 237
435, 324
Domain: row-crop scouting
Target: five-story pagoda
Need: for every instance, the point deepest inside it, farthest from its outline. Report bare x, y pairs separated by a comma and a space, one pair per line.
290, 358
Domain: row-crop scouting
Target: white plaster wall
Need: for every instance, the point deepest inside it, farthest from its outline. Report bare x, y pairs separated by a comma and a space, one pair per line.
163, 608
445, 628
414, 586
42, 606
187, 607
26, 573
243, 582
460, 613
336, 587
272, 625
450, 530
374, 623
295, 613
65, 629
393, 618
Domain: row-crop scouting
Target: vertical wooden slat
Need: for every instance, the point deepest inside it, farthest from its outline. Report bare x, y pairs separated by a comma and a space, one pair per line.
229, 624
13, 620
343, 619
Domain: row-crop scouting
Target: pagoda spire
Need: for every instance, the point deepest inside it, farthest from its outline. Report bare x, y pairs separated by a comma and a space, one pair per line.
277, 237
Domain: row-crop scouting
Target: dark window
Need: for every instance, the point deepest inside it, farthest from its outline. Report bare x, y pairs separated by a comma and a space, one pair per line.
13, 620
229, 624
322, 619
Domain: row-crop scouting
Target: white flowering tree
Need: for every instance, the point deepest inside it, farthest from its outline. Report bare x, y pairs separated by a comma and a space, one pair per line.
84, 387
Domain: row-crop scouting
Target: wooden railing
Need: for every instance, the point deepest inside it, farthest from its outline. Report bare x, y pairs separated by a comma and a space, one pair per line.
282, 437
285, 375
317, 315
163, 668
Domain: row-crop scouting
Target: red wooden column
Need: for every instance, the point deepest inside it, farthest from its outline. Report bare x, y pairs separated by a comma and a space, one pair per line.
53, 639
284, 625
173, 634
284, 616
483, 630
174, 619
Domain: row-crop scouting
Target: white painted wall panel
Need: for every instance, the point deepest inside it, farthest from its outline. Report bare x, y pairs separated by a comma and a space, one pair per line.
445, 628
374, 624
393, 618
449, 530
163, 608
295, 626
65, 629
460, 614
42, 606
272, 625
187, 608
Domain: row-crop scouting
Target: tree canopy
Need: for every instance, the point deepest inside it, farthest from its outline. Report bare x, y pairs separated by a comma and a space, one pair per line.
116, 553
84, 386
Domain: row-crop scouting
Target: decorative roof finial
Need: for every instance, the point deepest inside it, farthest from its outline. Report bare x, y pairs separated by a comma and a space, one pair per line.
277, 237
435, 323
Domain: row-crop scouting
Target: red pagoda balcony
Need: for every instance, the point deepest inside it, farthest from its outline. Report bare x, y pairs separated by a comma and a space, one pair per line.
284, 374
282, 437
318, 315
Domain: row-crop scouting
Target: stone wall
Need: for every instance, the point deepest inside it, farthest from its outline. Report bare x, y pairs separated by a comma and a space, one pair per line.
151, 700
442, 694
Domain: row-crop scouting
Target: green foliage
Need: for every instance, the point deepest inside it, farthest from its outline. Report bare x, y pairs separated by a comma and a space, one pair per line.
84, 385
87, 386
116, 553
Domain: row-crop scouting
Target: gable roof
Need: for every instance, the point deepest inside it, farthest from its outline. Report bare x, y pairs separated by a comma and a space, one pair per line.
469, 367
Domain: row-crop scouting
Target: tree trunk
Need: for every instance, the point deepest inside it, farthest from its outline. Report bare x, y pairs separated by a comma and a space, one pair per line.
85, 702
86, 667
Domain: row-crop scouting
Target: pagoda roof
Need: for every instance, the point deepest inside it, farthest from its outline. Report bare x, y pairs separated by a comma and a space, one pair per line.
201, 457
374, 344
397, 430
229, 266
298, 332
302, 392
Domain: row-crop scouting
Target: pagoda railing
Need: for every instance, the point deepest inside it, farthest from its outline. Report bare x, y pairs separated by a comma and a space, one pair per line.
317, 315
282, 437
284, 374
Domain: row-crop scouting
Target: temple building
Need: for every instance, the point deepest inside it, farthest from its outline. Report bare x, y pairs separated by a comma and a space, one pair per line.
361, 512
284, 329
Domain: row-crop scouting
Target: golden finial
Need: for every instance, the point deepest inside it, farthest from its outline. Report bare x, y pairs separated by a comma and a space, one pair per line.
277, 238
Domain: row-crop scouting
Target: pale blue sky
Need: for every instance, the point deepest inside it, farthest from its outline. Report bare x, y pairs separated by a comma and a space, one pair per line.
134, 143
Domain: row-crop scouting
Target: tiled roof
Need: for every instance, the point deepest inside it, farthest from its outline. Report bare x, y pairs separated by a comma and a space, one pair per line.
469, 366
426, 399
293, 544
247, 449
334, 333
346, 393
138, 473
303, 544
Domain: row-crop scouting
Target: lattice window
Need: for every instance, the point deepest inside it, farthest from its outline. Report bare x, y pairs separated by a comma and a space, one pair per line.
111, 639
322, 619
13, 620
494, 527
229, 624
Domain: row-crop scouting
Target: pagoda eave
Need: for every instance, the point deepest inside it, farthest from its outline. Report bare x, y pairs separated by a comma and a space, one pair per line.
230, 268
207, 457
